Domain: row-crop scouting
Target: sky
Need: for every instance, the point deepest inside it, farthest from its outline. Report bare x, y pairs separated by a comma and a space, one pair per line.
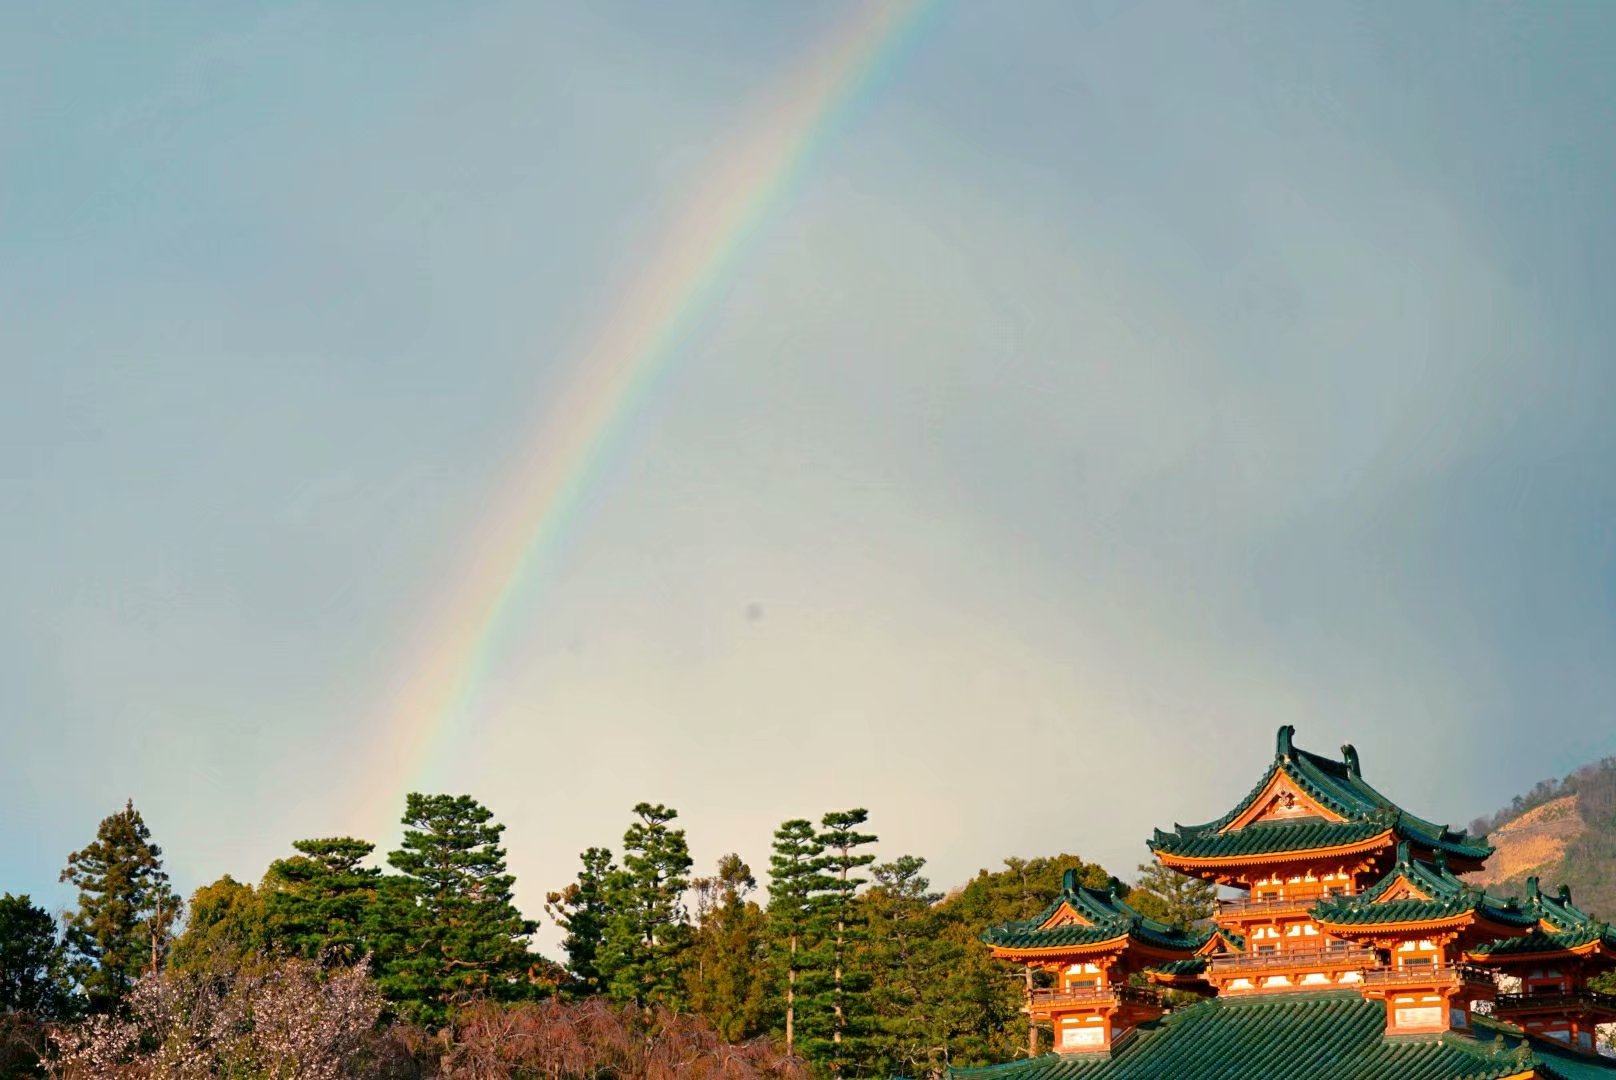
1109, 385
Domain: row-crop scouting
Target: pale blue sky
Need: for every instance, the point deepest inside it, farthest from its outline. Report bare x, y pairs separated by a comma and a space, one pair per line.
1121, 382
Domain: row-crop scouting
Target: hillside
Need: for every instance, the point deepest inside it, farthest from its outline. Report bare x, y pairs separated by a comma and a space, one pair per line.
1564, 832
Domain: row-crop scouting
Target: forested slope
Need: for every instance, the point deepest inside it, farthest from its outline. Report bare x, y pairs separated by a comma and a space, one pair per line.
1563, 832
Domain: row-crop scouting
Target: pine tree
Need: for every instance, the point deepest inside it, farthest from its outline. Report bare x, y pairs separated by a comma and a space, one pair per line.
1172, 897
910, 962
646, 928
794, 883
580, 909
843, 929
126, 909
318, 901
452, 931
726, 973
33, 963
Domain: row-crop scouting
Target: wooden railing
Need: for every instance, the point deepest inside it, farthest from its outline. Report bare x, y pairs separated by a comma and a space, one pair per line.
1270, 906
1558, 999
1095, 995
1353, 956
1452, 975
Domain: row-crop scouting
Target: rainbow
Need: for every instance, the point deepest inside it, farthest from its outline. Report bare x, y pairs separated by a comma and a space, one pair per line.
620, 364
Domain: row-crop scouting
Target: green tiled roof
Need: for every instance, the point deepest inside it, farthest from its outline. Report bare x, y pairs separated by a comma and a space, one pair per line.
1538, 941
1268, 837
1562, 915
1448, 897
1193, 965
1299, 1036
1336, 785
1110, 918
1561, 926
1232, 942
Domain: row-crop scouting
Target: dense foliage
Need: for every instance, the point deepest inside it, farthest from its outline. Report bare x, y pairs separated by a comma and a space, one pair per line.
33, 962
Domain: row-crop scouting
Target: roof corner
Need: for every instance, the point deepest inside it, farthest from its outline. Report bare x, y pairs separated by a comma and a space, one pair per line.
1283, 743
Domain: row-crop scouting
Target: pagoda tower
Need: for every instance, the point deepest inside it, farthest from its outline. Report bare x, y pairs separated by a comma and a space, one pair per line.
1311, 830
1093, 944
1551, 965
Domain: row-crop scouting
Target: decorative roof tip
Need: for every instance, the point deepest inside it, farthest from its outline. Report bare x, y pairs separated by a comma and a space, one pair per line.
1283, 747
1349, 754
1532, 890
1565, 894
1402, 851
1069, 880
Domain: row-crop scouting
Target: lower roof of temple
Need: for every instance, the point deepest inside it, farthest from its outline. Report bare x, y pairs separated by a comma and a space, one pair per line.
1333, 1034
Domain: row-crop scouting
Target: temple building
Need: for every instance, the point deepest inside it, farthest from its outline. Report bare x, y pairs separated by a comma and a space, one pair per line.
1092, 944
1551, 966
1348, 946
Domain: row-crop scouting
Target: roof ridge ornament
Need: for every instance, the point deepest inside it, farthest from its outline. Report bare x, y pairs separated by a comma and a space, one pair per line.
1532, 890
1069, 880
1283, 747
1402, 853
1349, 754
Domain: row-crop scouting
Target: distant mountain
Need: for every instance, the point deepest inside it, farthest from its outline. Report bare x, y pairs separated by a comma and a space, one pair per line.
1563, 832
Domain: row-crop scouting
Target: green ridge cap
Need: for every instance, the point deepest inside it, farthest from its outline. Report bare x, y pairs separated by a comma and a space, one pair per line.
1297, 1036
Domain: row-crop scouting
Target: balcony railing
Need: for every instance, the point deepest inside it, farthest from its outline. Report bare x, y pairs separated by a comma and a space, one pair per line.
1559, 1000
1452, 975
1272, 906
1351, 957
1095, 995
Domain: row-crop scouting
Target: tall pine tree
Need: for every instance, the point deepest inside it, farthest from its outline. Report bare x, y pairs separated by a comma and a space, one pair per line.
126, 908
842, 928
646, 928
794, 885
453, 931
580, 910
318, 901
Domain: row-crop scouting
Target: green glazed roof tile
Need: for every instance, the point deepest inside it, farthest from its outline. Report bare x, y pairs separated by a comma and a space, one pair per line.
1267, 837
1562, 926
1298, 1036
1448, 897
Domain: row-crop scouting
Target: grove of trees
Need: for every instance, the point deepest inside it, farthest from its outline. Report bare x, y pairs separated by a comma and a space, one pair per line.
330, 966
